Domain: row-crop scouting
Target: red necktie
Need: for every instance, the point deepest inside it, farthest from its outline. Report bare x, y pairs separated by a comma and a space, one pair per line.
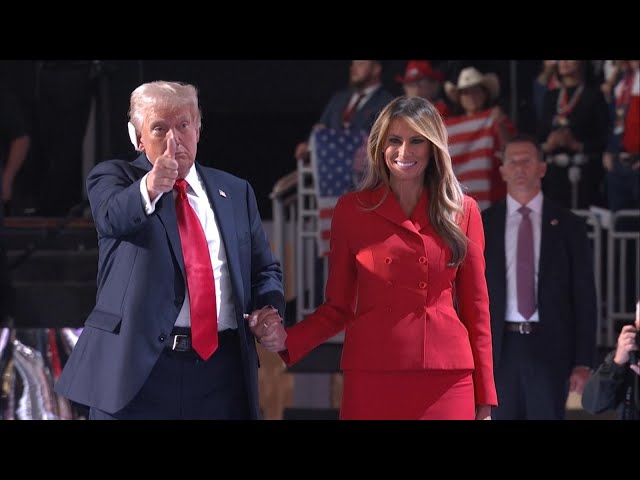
525, 271
350, 110
200, 282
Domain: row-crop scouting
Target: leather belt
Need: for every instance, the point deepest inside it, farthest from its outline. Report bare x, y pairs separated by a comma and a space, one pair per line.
523, 328
182, 342
179, 343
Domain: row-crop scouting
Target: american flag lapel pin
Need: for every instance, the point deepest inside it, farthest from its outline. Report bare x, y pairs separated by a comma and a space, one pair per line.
222, 194
554, 222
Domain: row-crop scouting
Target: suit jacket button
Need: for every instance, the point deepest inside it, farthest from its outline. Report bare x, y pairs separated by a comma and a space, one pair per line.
388, 308
422, 285
387, 260
162, 337
137, 220
422, 259
389, 283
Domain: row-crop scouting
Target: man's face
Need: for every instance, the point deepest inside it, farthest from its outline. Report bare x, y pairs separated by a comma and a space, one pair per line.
521, 168
153, 137
361, 73
425, 88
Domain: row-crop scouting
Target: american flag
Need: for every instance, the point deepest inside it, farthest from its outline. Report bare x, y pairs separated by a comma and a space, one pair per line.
474, 146
337, 160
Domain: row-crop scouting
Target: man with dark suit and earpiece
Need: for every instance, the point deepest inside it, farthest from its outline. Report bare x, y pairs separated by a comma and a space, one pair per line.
177, 272
354, 107
541, 292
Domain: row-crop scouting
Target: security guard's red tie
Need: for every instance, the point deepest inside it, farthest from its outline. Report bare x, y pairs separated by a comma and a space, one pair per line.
200, 282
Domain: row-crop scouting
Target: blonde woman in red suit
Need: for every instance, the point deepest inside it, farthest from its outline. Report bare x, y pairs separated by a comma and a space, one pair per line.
406, 283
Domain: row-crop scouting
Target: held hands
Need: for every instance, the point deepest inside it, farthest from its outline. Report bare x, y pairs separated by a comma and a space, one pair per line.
267, 326
164, 173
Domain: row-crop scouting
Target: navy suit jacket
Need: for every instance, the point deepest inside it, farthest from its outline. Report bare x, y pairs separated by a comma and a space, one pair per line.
362, 118
566, 336
141, 281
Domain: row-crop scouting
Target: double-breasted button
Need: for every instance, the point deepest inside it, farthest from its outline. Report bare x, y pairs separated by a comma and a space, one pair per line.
388, 260
422, 285
162, 337
137, 220
422, 259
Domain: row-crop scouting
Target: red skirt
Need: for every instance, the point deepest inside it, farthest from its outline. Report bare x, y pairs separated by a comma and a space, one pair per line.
408, 395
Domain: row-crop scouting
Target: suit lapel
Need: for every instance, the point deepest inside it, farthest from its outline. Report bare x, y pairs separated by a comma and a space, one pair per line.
496, 239
494, 228
547, 234
390, 209
221, 200
166, 209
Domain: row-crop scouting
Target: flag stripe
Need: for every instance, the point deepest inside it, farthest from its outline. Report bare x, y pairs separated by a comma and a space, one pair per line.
335, 158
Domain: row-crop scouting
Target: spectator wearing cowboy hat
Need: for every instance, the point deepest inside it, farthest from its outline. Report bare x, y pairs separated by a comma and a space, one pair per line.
422, 80
477, 134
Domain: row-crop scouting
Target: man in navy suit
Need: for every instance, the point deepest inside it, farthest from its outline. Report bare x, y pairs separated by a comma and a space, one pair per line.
135, 358
542, 354
354, 107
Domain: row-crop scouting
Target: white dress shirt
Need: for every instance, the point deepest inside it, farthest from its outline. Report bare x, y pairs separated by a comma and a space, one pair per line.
511, 245
198, 199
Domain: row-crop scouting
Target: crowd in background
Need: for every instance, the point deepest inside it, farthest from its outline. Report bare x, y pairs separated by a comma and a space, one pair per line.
585, 116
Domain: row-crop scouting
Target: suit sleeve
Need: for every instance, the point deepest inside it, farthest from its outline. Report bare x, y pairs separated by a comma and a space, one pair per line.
116, 203
331, 316
473, 306
606, 387
266, 273
583, 294
329, 109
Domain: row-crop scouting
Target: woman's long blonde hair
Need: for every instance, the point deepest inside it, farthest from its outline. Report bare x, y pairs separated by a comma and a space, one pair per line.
446, 200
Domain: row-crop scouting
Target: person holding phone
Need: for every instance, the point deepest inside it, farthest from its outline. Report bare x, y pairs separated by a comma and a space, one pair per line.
614, 384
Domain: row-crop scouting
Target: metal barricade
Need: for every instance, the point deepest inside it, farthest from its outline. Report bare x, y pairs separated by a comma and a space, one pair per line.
623, 269
306, 239
284, 205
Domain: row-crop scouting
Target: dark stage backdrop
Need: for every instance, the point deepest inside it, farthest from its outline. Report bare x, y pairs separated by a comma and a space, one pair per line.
254, 111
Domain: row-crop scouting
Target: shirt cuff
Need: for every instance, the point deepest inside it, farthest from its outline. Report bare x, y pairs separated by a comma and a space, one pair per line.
149, 206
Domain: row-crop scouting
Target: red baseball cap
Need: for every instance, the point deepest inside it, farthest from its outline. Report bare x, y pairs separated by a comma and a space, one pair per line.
419, 69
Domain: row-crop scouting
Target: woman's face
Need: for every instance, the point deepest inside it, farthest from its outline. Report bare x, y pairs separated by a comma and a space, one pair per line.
473, 99
406, 153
